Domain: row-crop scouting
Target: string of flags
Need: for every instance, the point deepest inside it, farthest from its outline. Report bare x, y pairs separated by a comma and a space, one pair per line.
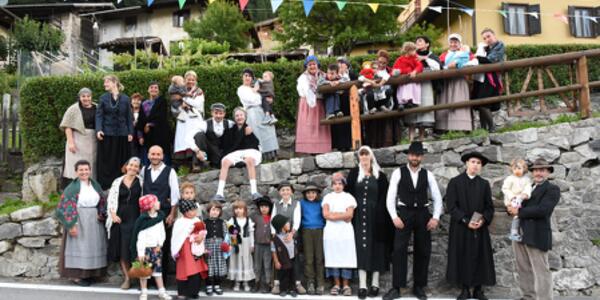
341, 4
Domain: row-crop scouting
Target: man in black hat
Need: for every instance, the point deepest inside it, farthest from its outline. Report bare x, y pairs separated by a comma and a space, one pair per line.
407, 203
535, 278
469, 203
209, 144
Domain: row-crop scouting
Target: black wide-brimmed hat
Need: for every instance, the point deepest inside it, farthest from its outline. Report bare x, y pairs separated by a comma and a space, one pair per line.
541, 163
416, 147
264, 200
476, 154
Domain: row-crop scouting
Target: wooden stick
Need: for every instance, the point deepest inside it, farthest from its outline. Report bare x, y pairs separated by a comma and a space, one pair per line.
509, 104
455, 105
584, 94
540, 80
355, 115
555, 82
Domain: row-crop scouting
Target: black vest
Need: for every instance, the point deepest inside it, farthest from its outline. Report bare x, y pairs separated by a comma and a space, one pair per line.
160, 187
210, 131
214, 228
282, 254
407, 193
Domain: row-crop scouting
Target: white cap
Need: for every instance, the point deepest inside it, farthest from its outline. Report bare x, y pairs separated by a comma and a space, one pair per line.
455, 36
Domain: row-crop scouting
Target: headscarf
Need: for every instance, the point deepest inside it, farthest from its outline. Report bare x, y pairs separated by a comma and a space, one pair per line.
375, 168
186, 205
146, 202
313, 79
309, 59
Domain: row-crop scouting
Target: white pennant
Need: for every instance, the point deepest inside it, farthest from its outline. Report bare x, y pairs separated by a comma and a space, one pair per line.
467, 11
593, 19
534, 14
437, 9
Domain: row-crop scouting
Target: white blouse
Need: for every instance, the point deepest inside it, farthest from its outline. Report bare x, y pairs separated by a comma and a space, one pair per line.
248, 97
304, 90
88, 197
151, 237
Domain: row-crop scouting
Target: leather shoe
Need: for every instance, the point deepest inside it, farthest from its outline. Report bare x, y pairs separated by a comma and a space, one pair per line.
362, 293
419, 293
392, 294
373, 291
478, 294
464, 295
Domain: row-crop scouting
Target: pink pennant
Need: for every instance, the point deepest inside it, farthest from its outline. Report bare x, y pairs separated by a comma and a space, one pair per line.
243, 4
562, 17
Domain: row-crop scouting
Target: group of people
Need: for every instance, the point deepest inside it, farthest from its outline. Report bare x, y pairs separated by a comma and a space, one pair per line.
361, 227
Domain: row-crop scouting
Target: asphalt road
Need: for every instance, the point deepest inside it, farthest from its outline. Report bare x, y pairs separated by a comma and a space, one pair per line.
34, 291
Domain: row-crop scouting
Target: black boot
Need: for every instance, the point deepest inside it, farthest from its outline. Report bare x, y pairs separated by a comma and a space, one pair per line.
464, 294
392, 294
419, 292
478, 293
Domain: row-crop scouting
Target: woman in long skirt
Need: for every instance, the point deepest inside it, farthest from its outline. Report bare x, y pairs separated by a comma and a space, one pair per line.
123, 210
455, 89
114, 130
79, 123
252, 102
83, 249
311, 136
341, 134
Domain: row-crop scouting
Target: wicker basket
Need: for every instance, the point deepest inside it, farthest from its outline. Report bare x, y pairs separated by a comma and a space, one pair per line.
140, 272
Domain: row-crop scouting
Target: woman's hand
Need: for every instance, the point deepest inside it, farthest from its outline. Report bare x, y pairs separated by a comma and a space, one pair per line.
100, 135
413, 74
141, 258
129, 138
147, 128
141, 141
115, 218
452, 65
248, 130
475, 225
73, 231
72, 147
277, 265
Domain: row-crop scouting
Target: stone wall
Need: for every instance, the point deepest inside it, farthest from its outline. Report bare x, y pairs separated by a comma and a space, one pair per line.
573, 149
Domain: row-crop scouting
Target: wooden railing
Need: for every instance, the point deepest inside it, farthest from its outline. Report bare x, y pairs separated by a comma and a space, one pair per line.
576, 60
9, 127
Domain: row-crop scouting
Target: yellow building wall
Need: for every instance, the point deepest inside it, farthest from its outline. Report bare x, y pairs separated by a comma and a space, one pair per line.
460, 23
554, 31
4, 32
365, 49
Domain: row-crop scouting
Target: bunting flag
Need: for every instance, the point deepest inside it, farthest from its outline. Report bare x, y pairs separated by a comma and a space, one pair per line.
119, 1
150, 2
181, 4
437, 9
534, 14
243, 4
503, 13
374, 7
467, 11
275, 4
211, 1
562, 17
340, 4
593, 19
308, 5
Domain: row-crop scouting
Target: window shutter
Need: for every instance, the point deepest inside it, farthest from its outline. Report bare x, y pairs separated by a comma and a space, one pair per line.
597, 24
571, 13
505, 21
534, 24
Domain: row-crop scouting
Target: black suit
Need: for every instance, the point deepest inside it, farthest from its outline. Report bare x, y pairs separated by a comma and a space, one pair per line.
535, 216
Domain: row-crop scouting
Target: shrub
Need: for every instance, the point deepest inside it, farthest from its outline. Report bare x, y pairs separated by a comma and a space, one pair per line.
45, 99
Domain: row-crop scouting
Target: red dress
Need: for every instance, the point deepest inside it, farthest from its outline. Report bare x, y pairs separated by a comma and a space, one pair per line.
187, 265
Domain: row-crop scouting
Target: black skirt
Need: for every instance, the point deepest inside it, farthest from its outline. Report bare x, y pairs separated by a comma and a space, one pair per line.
485, 89
128, 211
341, 134
190, 287
113, 152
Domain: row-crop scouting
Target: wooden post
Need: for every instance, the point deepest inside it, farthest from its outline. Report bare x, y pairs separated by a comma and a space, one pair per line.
355, 115
584, 94
5, 114
540, 80
555, 82
510, 106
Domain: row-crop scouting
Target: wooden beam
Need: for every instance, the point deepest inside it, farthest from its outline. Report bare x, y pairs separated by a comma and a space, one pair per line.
584, 93
455, 105
540, 61
355, 115
555, 82
540, 80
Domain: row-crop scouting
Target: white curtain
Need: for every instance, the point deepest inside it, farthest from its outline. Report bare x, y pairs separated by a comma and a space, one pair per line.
517, 20
583, 25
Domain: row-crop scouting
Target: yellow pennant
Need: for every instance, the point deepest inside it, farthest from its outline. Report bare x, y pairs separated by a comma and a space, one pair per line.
211, 1
373, 6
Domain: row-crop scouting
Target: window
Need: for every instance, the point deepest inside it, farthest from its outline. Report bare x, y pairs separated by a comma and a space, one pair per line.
581, 24
521, 19
130, 23
179, 17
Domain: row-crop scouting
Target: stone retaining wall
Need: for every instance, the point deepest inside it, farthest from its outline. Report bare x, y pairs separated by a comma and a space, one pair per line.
572, 148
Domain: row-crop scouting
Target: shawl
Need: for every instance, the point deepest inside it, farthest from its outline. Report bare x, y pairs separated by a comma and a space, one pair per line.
66, 211
374, 165
113, 200
73, 118
182, 228
144, 221
307, 87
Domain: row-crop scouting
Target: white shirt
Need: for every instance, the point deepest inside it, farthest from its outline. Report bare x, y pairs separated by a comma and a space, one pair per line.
297, 214
248, 97
514, 186
173, 181
432, 186
88, 197
151, 237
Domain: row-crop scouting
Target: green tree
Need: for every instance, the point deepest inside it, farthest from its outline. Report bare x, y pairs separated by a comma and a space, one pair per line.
426, 29
327, 26
32, 35
3, 48
221, 22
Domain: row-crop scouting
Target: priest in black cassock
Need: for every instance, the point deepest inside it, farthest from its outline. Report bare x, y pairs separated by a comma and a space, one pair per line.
469, 203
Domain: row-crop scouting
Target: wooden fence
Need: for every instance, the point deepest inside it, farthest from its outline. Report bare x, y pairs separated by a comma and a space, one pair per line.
9, 127
579, 85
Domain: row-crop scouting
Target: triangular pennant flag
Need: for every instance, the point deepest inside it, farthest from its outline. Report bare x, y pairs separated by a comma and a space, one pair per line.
467, 11
562, 17
119, 1
150, 2
503, 13
593, 19
534, 14
308, 5
437, 9
211, 1
181, 4
275, 4
243, 4
340, 4
374, 7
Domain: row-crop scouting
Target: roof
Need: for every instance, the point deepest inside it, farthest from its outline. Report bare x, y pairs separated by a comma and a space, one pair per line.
266, 22
129, 41
117, 13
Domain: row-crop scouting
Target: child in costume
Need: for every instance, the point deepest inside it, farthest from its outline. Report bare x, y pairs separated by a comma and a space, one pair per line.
146, 245
516, 188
